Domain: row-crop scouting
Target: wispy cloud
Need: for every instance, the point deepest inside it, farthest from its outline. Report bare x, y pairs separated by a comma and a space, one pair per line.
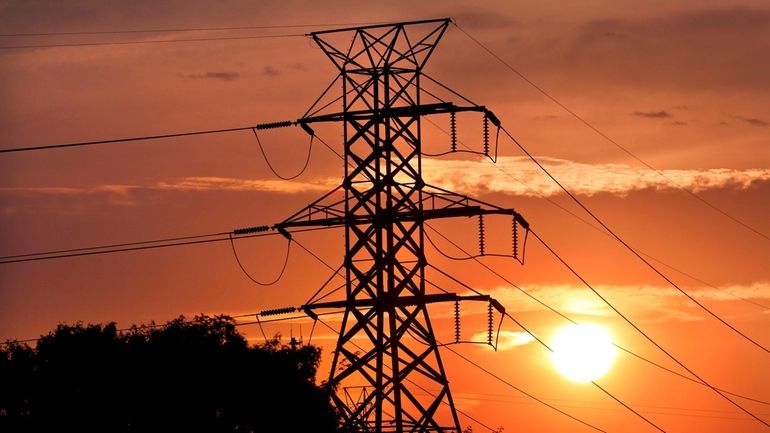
652, 114
508, 175
271, 71
114, 194
69, 199
753, 121
506, 340
248, 185
462, 176
651, 303
215, 75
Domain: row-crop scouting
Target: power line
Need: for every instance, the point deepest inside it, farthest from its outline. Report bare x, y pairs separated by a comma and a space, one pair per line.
701, 381
581, 219
123, 140
545, 345
511, 385
138, 246
592, 405
71, 250
641, 332
254, 280
628, 247
529, 395
166, 41
608, 138
565, 317
154, 326
464, 413
89, 251
177, 29
270, 166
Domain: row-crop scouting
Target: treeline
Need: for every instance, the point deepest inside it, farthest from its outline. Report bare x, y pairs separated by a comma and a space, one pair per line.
185, 376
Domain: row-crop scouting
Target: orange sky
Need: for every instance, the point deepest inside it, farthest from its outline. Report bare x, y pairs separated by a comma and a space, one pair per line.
683, 85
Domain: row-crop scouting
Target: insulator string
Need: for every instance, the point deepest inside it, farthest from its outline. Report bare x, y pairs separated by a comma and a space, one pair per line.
481, 235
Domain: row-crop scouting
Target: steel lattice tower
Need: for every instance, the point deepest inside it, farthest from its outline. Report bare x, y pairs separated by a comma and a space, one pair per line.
387, 372
384, 258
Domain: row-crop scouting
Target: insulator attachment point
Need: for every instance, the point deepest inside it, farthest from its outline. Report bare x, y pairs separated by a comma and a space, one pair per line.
250, 230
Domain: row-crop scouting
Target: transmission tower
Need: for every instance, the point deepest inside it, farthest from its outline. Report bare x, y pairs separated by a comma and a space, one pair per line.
387, 371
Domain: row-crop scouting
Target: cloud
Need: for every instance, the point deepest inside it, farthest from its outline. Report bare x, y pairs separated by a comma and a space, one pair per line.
245, 185
483, 19
651, 303
70, 199
652, 114
214, 75
506, 340
63, 190
463, 176
271, 71
752, 121
475, 176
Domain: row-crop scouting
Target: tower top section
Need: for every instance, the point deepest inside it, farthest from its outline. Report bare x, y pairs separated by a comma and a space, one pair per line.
404, 46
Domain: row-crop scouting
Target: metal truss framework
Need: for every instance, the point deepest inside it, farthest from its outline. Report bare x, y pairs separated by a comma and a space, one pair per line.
386, 369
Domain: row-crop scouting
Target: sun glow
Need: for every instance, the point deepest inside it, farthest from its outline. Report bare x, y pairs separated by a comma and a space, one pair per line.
583, 353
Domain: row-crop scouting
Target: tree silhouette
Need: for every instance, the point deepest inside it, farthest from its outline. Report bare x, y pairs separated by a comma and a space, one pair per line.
185, 376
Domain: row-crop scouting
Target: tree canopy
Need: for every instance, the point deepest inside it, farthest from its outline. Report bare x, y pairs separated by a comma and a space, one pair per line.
184, 376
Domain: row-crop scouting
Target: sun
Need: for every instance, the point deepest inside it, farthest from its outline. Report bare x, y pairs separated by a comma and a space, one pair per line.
583, 353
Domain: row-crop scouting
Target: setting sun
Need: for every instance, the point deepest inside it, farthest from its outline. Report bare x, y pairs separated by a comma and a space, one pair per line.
583, 353
421, 216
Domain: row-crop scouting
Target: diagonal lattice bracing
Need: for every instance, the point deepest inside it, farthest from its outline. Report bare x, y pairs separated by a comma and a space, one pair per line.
383, 345
387, 355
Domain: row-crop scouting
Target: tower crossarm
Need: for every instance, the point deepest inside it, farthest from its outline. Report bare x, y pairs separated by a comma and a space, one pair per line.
409, 111
400, 301
328, 211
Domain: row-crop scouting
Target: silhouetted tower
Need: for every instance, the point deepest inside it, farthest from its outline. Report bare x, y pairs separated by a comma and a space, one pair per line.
384, 257
387, 369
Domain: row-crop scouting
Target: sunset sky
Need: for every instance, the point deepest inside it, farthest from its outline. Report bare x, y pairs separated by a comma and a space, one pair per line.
683, 85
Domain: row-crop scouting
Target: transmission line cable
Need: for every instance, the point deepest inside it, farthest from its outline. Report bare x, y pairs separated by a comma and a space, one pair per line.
124, 140
509, 384
609, 139
181, 238
89, 251
138, 246
324, 262
602, 389
565, 317
152, 325
546, 346
159, 41
628, 247
193, 29
270, 166
641, 332
588, 223
249, 276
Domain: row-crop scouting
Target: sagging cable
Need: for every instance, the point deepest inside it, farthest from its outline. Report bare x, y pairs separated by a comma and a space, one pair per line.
267, 160
243, 268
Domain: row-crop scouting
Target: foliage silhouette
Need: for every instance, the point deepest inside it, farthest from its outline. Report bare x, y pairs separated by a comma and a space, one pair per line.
185, 376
